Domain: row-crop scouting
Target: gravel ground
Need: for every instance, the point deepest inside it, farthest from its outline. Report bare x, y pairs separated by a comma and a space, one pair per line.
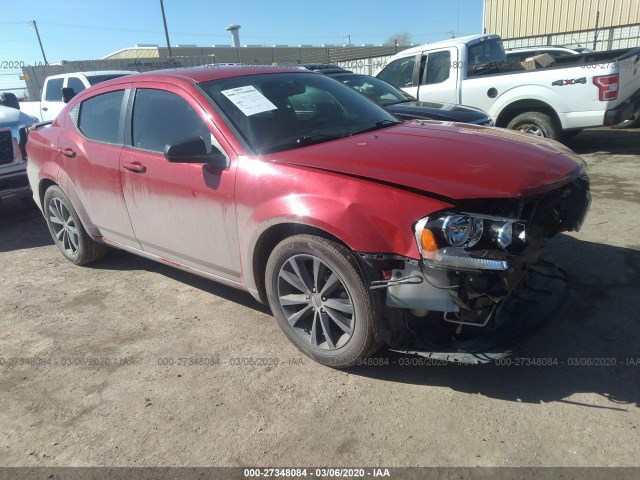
141, 411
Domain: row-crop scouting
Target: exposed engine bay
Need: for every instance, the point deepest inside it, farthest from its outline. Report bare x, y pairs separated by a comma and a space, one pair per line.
481, 286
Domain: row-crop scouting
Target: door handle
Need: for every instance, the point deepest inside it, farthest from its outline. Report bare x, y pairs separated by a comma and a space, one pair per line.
67, 152
135, 167
45, 109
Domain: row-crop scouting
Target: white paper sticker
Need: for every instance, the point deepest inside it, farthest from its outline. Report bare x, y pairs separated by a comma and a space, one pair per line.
249, 100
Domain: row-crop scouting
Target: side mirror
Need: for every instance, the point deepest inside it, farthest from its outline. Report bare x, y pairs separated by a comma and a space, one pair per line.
67, 94
9, 100
193, 150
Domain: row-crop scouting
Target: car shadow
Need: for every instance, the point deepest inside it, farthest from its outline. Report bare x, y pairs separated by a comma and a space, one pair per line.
121, 260
22, 226
606, 141
594, 347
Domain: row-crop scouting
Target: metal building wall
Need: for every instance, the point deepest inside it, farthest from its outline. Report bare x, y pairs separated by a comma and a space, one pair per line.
529, 18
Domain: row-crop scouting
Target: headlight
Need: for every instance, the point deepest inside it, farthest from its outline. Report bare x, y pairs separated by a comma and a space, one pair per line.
469, 241
461, 230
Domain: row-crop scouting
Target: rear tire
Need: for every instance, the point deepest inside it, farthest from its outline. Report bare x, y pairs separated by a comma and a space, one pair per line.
536, 123
67, 231
317, 294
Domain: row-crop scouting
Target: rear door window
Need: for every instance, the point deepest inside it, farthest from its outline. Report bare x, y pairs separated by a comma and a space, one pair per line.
76, 84
99, 118
438, 68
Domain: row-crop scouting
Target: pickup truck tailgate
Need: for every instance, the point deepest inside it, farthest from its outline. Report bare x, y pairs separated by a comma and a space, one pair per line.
629, 74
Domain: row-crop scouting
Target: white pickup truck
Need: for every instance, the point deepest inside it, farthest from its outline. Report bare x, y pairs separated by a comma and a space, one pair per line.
52, 99
556, 101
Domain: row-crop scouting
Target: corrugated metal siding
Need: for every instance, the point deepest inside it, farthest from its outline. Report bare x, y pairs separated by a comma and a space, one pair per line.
530, 18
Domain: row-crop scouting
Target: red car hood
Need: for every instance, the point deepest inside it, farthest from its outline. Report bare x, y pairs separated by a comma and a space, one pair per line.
458, 162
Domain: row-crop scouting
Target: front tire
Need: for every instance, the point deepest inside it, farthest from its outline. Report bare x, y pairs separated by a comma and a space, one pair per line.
317, 294
536, 123
67, 231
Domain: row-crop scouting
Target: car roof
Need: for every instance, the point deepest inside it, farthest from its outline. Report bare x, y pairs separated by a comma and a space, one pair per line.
201, 74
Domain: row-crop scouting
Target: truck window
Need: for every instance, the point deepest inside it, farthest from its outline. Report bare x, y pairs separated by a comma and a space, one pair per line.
399, 72
438, 68
54, 90
76, 84
100, 117
484, 56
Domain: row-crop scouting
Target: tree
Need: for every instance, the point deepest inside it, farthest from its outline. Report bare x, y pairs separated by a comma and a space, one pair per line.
403, 39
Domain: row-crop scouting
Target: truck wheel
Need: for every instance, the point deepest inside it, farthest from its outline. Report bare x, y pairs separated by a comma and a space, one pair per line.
535, 123
67, 230
317, 294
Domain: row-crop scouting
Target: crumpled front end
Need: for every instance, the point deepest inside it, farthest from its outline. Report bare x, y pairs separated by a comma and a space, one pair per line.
480, 287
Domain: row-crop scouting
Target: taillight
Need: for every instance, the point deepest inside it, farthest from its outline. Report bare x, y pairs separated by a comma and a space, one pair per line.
607, 87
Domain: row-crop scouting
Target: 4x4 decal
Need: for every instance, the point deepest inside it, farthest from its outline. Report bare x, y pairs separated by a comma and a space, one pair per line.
561, 83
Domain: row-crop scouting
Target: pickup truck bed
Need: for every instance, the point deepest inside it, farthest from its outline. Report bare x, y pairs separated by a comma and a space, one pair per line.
581, 91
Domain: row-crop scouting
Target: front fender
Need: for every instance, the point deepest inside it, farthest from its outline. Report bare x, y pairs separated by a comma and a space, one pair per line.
366, 216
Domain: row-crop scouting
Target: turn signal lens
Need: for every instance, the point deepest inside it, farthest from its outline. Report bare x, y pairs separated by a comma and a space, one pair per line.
428, 243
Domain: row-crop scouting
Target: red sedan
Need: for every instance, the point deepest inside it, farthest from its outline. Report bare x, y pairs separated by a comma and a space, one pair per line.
357, 229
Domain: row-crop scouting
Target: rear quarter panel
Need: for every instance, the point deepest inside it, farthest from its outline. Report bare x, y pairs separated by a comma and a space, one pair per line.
43, 155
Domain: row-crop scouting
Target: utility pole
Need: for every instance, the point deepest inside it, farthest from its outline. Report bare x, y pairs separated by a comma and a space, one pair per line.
595, 36
166, 32
33, 25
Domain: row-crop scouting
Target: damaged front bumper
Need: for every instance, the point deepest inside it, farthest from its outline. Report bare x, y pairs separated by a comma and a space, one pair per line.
480, 288
423, 319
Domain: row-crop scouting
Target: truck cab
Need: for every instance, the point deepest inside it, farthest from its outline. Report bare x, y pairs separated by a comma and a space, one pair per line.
52, 101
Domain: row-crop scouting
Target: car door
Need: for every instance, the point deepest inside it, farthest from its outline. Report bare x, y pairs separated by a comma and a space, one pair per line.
438, 76
184, 213
51, 105
89, 152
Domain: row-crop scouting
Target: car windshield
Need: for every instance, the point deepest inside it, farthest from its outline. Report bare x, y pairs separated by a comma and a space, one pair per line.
377, 90
282, 111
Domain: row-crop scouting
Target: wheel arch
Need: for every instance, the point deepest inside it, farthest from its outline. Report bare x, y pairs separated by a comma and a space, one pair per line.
270, 238
43, 186
514, 109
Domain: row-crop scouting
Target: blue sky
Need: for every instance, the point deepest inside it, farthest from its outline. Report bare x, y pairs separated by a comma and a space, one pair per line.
91, 29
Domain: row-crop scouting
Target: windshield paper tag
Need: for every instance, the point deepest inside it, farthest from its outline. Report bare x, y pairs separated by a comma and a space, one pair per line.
249, 100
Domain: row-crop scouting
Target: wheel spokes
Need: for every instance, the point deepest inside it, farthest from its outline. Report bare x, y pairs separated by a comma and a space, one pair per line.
293, 280
341, 321
326, 329
63, 226
315, 302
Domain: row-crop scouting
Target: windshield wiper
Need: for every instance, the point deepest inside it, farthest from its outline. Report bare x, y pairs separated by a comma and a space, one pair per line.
311, 139
377, 126
299, 142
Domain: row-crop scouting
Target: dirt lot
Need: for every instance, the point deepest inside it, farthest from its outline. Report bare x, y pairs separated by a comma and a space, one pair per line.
140, 411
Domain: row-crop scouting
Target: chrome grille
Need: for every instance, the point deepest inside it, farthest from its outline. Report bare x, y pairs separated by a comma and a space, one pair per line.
6, 147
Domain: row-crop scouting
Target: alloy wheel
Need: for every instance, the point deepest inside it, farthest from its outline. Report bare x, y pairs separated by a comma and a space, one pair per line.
531, 129
316, 302
64, 227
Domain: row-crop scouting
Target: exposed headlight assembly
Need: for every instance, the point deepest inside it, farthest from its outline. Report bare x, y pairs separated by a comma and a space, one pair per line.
469, 241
